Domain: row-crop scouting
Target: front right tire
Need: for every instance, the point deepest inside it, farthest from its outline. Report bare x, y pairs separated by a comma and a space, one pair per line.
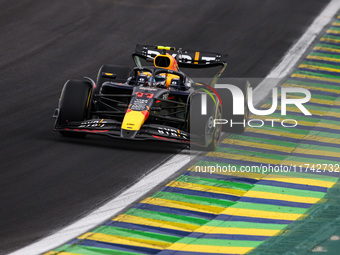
201, 126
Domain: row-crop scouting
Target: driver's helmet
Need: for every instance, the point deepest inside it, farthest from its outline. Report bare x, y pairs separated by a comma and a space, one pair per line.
160, 81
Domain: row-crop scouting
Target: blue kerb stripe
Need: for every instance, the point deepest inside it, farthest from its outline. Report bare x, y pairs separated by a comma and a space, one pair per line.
274, 202
320, 72
327, 38
315, 156
73, 241
226, 217
332, 34
228, 237
331, 118
146, 228
320, 143
322, 129
292, 185
326, 52
119, 247
323, 61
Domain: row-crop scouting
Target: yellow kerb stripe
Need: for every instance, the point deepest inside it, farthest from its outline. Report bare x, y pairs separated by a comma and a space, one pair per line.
237, 231
323, 58
317, 152
329, 40
327, 49
296, 75
302, 181
156, 223
209, 248
261, 214
304, 164
322, 139
320, 68
206, 188
183, 205
332, 31
276, 196
153, 244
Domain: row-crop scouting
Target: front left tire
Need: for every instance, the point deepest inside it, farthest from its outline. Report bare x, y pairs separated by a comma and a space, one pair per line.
74, 105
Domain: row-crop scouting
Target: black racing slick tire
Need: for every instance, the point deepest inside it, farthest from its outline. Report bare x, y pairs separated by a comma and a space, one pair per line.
227, 110
202, 128
74, 104
119, 74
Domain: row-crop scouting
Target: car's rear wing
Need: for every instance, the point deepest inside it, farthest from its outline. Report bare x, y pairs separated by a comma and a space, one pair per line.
185, 58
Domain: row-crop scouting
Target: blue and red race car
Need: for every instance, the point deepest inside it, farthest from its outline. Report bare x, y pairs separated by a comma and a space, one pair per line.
153, 100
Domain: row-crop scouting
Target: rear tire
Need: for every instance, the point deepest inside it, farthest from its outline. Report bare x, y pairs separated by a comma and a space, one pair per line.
121, 75
74, 104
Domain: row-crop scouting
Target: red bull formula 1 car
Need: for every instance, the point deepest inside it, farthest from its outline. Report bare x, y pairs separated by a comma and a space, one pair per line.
154, 100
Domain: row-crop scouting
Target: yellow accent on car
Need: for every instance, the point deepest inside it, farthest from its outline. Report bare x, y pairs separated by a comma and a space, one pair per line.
165, 48
133, 120
169, 78
197, 56
88, 99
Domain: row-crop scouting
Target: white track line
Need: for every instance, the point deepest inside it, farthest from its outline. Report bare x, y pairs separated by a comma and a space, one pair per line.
111, 208
163, 172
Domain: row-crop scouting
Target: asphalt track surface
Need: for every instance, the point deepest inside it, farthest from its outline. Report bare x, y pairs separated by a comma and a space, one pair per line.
47, 181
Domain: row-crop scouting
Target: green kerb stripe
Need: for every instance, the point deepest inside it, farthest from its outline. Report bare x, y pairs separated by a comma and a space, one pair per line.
193, 199
213, 182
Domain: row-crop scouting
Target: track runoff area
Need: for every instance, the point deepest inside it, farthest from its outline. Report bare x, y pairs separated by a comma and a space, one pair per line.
261, 192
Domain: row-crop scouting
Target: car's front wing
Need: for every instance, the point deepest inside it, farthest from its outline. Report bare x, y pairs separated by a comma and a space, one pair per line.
112, 128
